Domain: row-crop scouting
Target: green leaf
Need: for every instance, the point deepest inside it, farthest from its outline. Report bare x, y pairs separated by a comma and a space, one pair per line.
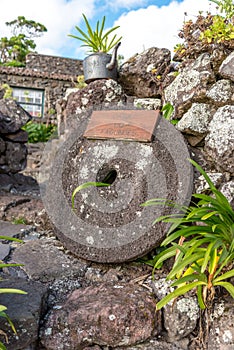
228, 286
2, 347
188, 261
2, 308
12, 290
86, 185
200, 298
179, 291
224, 276
189, 278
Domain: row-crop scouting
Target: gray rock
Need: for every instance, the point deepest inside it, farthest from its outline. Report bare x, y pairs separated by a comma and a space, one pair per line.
24, 311
98, 94
221, 336
227, 190
12, 116
107, 315
44, 260
196, 120
221, 93
14, 158
219, 143
179, 316
157, 344
142, 75
226, 69
190, 85
147, 103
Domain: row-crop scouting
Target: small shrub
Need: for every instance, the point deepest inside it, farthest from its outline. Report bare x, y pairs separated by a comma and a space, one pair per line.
39, 132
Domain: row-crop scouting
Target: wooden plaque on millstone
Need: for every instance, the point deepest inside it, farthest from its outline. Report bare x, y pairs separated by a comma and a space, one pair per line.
131, 125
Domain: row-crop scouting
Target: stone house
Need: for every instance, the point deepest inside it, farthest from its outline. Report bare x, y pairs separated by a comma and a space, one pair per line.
43, 81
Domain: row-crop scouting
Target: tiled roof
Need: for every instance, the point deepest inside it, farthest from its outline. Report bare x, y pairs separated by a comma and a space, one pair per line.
21, 71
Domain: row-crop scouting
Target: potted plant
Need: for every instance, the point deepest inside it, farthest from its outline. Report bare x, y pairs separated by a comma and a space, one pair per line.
100, 64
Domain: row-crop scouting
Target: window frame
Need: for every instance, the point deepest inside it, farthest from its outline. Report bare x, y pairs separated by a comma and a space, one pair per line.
33, 103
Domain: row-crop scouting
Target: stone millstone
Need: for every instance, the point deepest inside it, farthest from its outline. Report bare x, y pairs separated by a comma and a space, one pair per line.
109, 224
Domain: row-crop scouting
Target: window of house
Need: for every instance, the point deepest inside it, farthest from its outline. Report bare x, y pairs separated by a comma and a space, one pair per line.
31, 100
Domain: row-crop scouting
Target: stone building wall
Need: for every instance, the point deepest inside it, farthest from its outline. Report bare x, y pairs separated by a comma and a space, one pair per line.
54, 64
52, 74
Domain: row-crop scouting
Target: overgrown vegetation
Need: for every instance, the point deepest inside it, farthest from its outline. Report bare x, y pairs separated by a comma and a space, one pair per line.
207, 32
39, 132
13, 50
201, 240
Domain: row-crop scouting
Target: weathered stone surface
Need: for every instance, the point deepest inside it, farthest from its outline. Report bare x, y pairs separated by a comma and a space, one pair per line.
100, 93
190, 85
222, 92
54, 265
12, 116
147, 103
113, 315
142, 75
196, 120
14, 157
24, 311
226, 69
221, 336
19, 184
109, 224
12, 230
157, 344
228, 191
18, 136
180, 316
219, 143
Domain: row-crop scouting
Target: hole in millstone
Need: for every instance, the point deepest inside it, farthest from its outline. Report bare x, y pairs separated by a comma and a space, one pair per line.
110, 177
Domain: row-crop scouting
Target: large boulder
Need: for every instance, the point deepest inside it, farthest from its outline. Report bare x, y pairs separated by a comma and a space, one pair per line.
219, 143
12, 116
107, 315
190, 85
142, 75
13, 152
24, 311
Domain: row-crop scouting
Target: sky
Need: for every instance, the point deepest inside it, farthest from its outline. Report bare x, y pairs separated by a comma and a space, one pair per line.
143, 23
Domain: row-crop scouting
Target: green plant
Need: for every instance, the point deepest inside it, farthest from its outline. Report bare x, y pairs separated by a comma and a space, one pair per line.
39, 132
167, 110
8, 290
219, 31
201, 238
13, 50
97, 40
226, 7
20, 220
8, 91
86, 185
81, 82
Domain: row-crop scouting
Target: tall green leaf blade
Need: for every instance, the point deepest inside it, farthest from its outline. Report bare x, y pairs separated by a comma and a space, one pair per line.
224, 276
176, 293
86, 185
228, 286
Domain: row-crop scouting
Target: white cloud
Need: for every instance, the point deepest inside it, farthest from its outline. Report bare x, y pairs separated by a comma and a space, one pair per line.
154, 26
59, 17
141, 29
